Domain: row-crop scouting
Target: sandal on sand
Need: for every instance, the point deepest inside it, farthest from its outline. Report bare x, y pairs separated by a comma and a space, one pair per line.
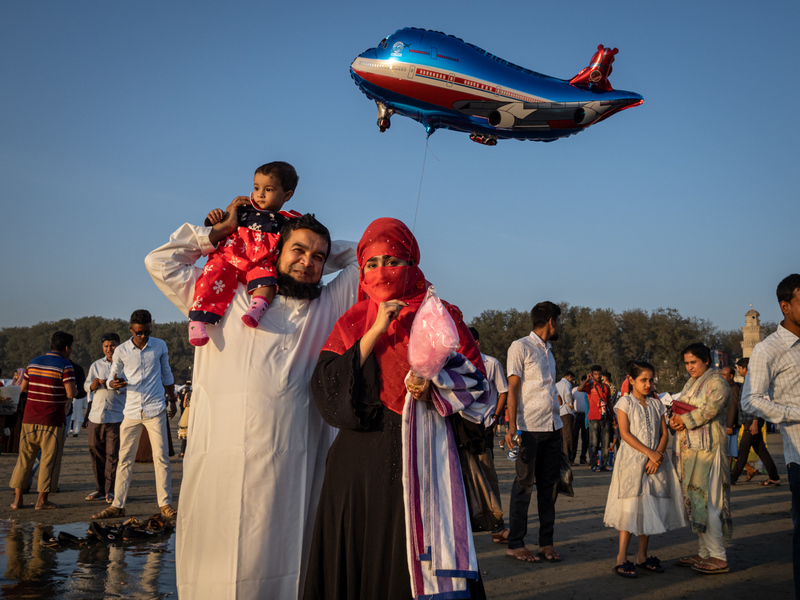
626, 569
168, 511
94, 496
501, 537
525, 556
110, 513
771, 483
651, 564
688, 561
709, 568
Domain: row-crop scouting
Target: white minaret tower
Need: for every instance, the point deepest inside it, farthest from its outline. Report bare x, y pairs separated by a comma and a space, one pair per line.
753, 332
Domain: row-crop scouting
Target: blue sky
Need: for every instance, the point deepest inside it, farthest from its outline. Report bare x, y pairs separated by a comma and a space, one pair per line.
121, 121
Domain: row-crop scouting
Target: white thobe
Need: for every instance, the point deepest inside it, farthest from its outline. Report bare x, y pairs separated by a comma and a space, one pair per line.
257, 445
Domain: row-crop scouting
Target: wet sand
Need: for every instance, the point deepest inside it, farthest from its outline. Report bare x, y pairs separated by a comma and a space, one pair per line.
759, 553
77, 480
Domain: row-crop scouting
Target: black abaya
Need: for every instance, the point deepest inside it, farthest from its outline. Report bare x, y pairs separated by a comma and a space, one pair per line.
358, 550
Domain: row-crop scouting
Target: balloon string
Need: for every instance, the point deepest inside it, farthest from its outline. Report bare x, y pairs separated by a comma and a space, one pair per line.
421, 177
416, 211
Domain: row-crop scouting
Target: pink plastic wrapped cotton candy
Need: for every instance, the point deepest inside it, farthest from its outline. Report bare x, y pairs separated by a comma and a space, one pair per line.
433, 336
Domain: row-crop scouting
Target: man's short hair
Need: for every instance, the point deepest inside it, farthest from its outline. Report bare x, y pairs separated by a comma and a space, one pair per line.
598, 368
542, 313
141, 317
110, 337
283, 172
309, 222
569, 374
743, 362
787, 287
475, 333
61, 340
699, 350
607, 375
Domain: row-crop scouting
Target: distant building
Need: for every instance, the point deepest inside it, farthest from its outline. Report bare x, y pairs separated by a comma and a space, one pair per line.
753, 332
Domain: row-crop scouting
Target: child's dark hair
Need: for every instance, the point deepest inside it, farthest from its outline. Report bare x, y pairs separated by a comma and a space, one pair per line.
283, 172
637, 367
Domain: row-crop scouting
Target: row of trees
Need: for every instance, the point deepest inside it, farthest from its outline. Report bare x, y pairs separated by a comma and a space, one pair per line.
601, 336
588, 336
18, 345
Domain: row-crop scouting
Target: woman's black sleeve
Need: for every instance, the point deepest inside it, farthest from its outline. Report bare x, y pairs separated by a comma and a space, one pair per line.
347, 394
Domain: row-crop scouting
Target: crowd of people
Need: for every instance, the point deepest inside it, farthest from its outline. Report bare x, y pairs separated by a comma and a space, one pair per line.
330, 469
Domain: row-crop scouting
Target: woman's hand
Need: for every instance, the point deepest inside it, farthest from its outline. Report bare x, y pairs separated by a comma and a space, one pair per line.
418, 387
677, 423
387, 312
228, 224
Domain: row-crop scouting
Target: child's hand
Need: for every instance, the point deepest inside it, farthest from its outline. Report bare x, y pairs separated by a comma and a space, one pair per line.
651, 467
655, 457
228, 224
215, 216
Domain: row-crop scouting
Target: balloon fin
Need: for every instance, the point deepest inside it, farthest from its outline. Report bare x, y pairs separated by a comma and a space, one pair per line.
596, 74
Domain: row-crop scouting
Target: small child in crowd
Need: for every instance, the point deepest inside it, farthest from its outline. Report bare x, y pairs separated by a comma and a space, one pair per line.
247, 255
645, 496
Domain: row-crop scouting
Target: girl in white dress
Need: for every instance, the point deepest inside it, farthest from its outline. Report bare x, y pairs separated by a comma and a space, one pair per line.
645, 494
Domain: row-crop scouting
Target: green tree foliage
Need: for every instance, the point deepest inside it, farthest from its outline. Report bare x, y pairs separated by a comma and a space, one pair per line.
601, 336
18, 345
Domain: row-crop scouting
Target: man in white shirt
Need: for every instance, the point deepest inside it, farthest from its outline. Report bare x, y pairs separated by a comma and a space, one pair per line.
255, 458
566, 411
104, 421
142, 365
533, 410
495, 406
771, 391
580, 431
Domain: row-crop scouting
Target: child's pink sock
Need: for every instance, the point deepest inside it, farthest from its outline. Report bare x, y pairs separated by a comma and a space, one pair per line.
258, 306
197, 333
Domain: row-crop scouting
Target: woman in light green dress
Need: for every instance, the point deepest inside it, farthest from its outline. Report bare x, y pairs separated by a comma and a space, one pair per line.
703, 460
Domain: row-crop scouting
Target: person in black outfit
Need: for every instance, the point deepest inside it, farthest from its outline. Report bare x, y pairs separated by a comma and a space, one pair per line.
358, 549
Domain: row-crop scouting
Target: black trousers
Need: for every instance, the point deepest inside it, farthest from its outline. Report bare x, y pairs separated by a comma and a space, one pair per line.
579, 433
539, 457
756, 442
104, 451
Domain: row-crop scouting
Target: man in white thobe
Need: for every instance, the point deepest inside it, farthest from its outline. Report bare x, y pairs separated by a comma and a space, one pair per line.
257, 446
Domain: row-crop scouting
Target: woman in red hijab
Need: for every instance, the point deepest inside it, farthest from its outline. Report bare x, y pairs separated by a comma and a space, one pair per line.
359, 544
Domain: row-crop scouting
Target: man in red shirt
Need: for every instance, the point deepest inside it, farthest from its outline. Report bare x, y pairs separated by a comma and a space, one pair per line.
600, 418
50, 384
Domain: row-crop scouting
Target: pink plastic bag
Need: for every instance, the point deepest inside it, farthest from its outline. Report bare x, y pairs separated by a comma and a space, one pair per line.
433, 336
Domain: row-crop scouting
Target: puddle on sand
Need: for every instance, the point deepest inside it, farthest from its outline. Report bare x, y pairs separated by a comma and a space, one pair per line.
128, 570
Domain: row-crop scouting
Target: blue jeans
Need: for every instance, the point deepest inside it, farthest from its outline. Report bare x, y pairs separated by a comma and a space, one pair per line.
599, 439
794, 486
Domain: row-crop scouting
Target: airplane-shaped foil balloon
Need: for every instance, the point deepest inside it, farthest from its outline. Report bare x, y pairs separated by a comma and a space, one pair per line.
446, 83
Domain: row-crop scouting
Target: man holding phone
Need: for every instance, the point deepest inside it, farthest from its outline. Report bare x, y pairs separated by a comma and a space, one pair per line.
144, 361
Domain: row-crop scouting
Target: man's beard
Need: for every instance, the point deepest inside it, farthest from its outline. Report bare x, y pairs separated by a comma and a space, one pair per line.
553, 338
291, 288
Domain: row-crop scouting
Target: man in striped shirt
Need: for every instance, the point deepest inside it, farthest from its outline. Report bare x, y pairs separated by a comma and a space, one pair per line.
50, 384
771, 391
